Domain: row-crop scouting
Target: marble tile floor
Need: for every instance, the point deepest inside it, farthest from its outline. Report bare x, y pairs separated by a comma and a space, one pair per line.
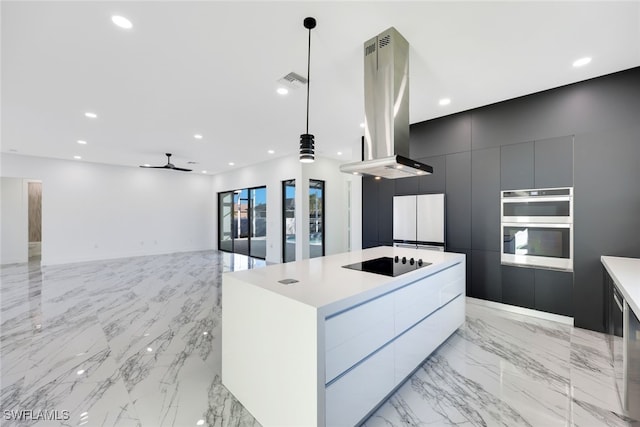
136, 342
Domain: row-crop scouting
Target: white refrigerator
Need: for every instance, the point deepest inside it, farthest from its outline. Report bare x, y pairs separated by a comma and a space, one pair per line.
419, 221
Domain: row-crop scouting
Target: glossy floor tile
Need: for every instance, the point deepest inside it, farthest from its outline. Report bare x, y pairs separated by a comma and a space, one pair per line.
136, 342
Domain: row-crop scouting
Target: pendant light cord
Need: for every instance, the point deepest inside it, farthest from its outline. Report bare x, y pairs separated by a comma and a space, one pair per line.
308, 74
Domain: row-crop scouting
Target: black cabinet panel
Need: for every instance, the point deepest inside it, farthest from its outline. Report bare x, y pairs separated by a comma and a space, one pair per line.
554, 162
554, 291
368, 244
458, 200
486, 275
485, 199
434, 183
518, 286
445, 135
516, 166
386, 191
369, 210
603, 103
607, 206
467, 253
407, 186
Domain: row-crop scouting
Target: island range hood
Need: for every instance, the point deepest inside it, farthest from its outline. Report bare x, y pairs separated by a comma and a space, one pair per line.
386, 102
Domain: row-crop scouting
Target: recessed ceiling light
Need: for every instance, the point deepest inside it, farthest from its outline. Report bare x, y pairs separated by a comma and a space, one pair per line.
231, 164
82, 142
121, 22
200, 423
582, 61
339, 153
149, 349
282, 90
270, 151
377, 178
146, 165
77, 157
80, 372
205, 333
197, 136
84, 414
204, 171
90, 115
444, 101
356, 173
361, 125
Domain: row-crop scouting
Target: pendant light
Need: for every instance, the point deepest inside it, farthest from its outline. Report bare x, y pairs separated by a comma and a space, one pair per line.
307, 145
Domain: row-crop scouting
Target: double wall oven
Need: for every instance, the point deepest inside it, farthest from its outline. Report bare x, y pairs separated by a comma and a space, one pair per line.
537, 228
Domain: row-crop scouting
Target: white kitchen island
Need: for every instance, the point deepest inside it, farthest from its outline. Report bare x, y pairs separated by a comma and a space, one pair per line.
329, 348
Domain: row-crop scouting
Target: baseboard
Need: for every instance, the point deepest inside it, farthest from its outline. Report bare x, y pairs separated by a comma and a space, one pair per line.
47, 261
521, 310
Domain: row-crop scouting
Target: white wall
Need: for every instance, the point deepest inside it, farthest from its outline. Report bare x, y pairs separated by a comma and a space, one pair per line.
93, 211
13, 218
271, 174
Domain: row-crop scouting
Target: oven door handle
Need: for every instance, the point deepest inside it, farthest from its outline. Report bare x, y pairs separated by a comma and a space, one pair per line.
536, 199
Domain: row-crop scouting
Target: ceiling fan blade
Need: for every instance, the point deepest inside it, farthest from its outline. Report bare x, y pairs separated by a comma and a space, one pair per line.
155, 167
182, 169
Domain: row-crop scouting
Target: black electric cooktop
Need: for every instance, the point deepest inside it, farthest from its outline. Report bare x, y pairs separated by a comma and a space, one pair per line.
388, 266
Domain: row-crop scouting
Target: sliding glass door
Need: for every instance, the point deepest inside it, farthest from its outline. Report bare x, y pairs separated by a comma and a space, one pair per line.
225, 221
289, 220
242, 224
316, 218
258, 224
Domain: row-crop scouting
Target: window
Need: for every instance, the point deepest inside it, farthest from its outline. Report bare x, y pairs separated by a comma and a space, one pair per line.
289, 220
316, 218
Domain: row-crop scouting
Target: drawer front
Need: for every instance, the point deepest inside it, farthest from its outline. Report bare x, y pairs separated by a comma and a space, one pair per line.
354, 334
414, 302
419, 342
352, 396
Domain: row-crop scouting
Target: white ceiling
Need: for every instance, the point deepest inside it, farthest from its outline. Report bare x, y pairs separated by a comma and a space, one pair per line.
211, 68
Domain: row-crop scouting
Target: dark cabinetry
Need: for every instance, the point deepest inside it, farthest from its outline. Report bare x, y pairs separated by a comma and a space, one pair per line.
458, 199
485, 200
486, 275
377, 212
518, 286
543, 290
554, 292
554, 162
516, 166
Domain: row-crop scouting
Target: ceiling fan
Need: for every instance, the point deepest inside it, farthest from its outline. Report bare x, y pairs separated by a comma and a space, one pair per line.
169, 165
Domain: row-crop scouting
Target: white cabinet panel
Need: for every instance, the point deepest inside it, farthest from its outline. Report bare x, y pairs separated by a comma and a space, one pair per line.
356, 333
404, 218
420, 341
430, 218
414, 302
351, 397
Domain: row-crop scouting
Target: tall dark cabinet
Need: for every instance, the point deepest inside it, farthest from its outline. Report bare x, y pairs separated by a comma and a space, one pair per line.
583, 135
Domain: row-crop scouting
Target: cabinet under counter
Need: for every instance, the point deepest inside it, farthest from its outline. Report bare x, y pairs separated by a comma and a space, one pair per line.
328, 349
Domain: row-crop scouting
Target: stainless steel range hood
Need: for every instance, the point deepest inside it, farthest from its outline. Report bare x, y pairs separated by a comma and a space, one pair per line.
386, 105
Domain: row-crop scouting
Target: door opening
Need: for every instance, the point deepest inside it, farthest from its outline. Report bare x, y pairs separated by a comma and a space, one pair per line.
34, 191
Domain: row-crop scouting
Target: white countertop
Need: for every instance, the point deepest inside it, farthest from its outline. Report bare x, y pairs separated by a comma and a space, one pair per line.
626, 275
324, 284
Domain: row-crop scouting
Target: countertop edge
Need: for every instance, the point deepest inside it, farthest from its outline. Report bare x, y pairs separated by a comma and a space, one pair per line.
609, 263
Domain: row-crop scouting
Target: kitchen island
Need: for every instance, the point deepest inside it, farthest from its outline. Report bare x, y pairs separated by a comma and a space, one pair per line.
330, 346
